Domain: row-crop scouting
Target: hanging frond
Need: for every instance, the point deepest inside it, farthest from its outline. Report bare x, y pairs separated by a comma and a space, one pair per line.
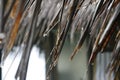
28, 22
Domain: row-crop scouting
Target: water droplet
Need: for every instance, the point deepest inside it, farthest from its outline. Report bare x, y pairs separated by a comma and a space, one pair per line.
45, 34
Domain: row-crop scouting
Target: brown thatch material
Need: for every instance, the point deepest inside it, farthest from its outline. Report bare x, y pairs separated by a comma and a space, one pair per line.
29, 21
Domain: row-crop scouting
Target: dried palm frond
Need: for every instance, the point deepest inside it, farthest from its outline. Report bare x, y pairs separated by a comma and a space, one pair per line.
28, 22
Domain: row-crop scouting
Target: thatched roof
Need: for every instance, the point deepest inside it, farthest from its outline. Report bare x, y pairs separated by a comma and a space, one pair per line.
29, 21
